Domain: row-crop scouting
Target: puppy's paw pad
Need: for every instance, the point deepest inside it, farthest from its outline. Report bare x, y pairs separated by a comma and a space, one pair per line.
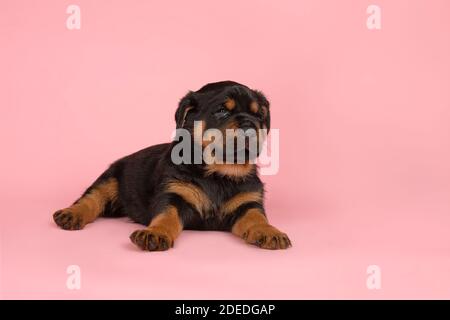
267, 237
151, 239
68, 220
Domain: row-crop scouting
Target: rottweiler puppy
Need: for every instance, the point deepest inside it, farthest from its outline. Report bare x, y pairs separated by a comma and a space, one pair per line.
168, 197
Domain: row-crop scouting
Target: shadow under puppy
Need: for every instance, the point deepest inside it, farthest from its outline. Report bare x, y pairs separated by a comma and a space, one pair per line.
151, 189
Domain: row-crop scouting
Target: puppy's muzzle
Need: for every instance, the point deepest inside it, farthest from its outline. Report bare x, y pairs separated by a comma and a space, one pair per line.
246, 122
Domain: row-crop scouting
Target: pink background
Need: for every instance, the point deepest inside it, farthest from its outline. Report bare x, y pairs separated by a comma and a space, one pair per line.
364, 158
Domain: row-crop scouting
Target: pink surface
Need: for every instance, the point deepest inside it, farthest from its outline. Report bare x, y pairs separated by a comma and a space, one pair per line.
364, 158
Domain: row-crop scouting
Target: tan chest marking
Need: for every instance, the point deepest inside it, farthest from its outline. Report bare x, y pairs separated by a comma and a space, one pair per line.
235, 171
192, 194
238, 200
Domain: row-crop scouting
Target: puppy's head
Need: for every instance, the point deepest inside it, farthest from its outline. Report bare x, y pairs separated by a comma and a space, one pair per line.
225, 105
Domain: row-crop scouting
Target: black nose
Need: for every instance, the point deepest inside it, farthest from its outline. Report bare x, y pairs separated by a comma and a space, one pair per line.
247, 124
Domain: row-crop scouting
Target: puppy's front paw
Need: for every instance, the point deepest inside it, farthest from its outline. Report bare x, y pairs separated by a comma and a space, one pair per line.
69, 220
267, 237
152, 239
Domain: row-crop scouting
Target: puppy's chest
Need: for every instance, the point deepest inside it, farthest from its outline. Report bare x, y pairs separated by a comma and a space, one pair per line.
216, 197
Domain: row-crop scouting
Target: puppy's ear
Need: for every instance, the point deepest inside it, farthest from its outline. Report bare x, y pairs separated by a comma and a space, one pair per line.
187, 103
265, 107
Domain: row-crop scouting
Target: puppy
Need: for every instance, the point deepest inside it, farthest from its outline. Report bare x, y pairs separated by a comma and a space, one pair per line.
168, 197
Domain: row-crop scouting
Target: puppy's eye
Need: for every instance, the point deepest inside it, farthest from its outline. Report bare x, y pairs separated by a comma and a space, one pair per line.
222, 112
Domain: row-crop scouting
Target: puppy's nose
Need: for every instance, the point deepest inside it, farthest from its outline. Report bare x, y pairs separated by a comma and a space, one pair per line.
247, 125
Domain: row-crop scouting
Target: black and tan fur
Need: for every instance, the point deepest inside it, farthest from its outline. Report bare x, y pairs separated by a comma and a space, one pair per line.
168, 198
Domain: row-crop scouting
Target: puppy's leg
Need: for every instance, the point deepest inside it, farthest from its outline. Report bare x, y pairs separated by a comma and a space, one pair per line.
161, 233
89, 206
179, 202
253, 227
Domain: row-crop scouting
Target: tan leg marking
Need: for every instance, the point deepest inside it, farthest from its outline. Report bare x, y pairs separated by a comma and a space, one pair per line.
254, 229
160, 235
88, 207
